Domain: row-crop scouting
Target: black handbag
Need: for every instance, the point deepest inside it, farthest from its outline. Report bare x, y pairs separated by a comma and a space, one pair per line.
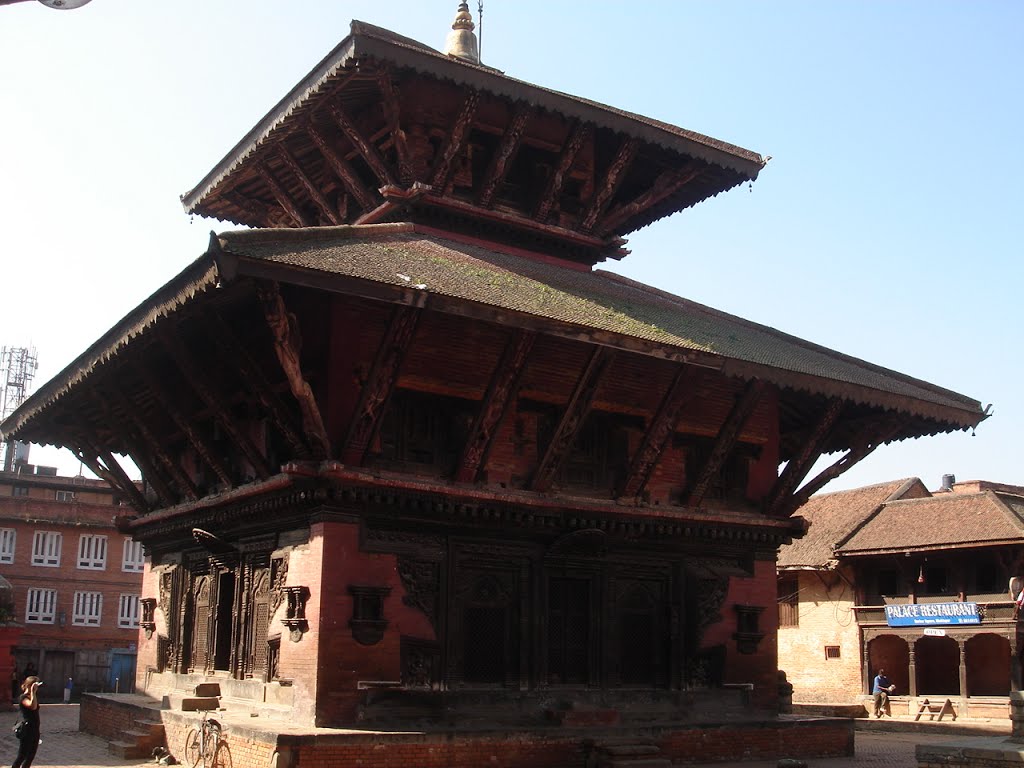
19, 729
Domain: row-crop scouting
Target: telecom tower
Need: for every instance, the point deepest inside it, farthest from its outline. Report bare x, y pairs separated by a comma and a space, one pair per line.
17, 369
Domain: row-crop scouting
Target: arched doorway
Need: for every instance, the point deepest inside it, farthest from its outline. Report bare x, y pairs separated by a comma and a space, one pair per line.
987, 658
890, 652
938, 666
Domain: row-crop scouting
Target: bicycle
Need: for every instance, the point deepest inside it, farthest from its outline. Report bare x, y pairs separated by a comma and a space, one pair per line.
202, 743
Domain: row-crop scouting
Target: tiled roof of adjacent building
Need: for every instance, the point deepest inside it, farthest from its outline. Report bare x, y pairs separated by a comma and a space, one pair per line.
833, 516
944, 520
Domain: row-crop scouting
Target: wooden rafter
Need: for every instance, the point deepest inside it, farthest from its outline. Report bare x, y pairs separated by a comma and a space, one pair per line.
500, 392
659, 432
252, 208
345, 172
455, 143
89, 456
380, 383
869, 438
392, 105
612, 179
184, 484
725, 440
798, 466
581, 132
573, 418
312, 190
141, 458
203, 449
287, 346
362, 145
190, 371
281, 195
667, 184
507, 148
252, 376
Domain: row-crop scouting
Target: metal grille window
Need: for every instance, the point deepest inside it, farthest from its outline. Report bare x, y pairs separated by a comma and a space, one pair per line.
832, 652
92, 552
7, 540
128, 612
88, 607
41, 605
46, 548
789, 602
133, 559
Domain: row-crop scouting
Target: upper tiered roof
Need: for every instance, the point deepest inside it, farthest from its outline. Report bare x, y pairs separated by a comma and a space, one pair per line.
387, 129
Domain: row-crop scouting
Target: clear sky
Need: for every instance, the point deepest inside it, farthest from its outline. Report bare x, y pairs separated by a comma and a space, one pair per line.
887, 224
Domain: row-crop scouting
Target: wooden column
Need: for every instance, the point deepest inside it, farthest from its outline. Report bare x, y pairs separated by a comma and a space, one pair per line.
963, 671
912, 668
866, 664
1015, 667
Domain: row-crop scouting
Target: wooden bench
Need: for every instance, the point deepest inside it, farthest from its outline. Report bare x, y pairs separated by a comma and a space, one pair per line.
932, 709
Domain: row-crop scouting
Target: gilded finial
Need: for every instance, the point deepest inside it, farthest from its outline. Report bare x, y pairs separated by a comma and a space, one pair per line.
461, 42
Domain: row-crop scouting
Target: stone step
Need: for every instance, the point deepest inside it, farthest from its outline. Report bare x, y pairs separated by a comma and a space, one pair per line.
129, 750
636, 762
629, 750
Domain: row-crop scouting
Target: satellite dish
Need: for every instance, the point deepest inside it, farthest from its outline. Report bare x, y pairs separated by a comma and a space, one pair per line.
64, 5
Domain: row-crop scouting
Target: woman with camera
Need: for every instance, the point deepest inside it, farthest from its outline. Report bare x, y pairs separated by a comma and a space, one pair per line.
28, 729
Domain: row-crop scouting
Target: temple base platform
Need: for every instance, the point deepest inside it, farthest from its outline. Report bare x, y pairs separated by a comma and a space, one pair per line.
592, 737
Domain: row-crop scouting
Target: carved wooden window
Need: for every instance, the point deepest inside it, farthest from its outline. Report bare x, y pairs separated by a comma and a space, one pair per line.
201, 622
641, 636
599, 456
274, 658
488, 639
568, 631
789, 602
422, 431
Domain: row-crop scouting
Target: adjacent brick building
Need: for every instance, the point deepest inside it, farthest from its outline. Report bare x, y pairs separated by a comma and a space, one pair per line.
875, 556
77, 580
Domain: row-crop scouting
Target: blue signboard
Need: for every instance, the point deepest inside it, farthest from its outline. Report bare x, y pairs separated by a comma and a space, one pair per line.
930, 614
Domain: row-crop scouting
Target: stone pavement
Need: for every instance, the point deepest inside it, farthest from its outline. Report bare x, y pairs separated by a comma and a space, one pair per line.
64, 746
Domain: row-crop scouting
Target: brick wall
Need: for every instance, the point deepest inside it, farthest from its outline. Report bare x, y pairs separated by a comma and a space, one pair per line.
826, 619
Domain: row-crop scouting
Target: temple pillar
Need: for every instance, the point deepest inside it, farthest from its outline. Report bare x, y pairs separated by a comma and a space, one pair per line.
963, 670
1015, 671
866, 666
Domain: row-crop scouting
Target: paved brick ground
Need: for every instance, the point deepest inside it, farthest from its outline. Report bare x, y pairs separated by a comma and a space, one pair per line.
64, 746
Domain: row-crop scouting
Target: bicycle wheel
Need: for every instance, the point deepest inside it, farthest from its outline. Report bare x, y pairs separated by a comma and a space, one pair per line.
211, 743
192, 749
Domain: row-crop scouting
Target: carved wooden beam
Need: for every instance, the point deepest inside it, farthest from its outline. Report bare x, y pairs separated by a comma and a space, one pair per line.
252, 376
349, 178
135, 450
185, 485
281, 195
380, 383
89, 456
326, 209
580, 134
575, 414
204, 450
726, 439
863, 444
500, 392
284, 330
667, 184
801, 464
455, 143
367, 150
613, 178
190, 371
392, 105
502, 158
659, 433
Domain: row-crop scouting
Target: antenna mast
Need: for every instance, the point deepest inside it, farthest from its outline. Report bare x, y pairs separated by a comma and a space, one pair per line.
17, 369
480, 29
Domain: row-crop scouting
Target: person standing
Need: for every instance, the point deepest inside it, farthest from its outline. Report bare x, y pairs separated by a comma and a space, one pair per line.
29, 708
880, 691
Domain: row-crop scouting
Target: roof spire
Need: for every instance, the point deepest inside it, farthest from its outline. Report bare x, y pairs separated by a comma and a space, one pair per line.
461, 42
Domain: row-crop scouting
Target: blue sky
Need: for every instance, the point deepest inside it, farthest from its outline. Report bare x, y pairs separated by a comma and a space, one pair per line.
886, 224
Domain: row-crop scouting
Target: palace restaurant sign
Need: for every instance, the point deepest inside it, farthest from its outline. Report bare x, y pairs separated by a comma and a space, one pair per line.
924, 614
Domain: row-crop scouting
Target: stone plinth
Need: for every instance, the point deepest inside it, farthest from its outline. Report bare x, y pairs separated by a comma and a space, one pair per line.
990, 752
9, 635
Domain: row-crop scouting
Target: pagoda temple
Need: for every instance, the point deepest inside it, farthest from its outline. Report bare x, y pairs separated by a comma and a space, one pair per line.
413, 463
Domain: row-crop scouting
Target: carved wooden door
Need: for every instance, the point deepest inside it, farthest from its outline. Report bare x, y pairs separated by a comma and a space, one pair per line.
202, 618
